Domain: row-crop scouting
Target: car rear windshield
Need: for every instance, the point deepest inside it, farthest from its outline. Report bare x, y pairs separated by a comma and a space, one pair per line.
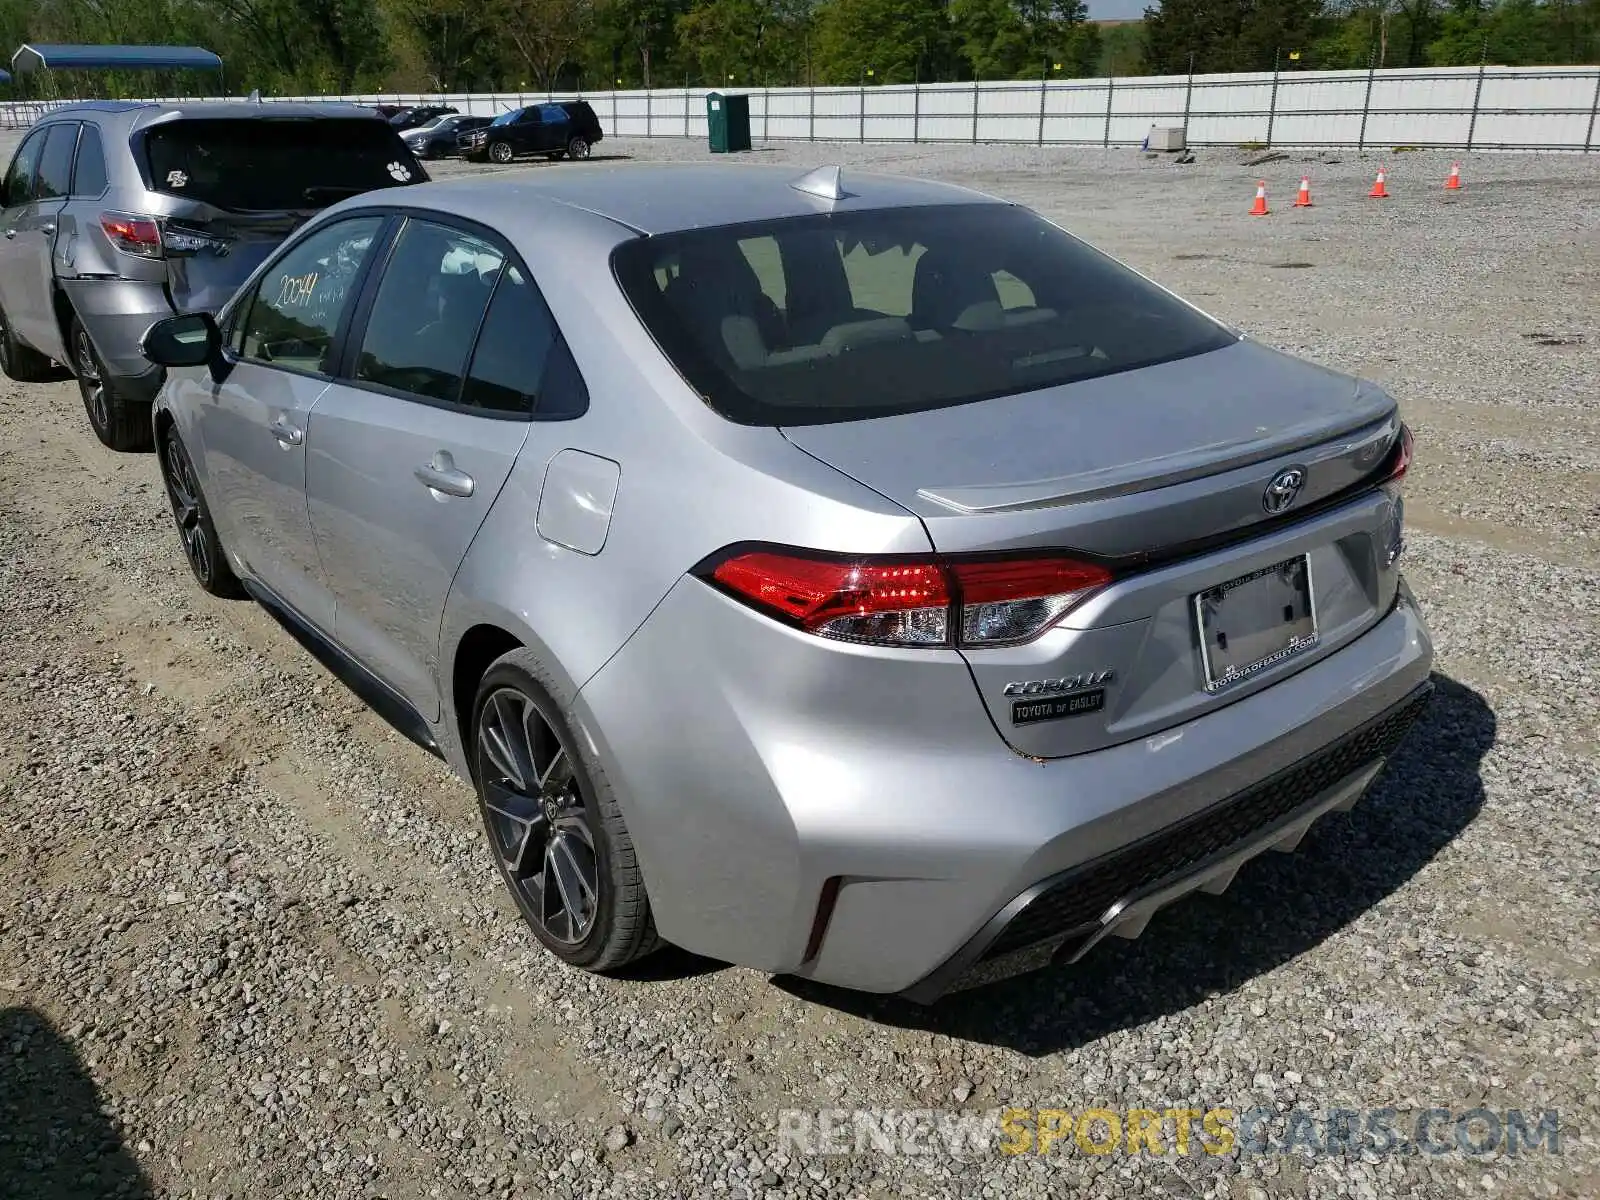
852, 315
265, 164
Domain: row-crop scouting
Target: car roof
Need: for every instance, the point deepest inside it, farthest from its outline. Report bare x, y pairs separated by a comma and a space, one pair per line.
656, 198
150, 112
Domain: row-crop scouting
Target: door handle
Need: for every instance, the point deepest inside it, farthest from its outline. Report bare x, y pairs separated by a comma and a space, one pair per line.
287, 434
441, 475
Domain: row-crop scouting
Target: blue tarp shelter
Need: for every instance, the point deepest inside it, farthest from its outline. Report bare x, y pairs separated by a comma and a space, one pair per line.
30, 58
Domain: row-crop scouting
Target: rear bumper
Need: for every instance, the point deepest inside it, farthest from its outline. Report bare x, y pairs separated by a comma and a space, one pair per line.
1062, 918
814, 810
115, 313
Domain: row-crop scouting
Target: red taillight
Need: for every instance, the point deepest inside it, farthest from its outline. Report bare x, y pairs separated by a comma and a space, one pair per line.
1012, 600
904, 604
1400, 457
926, 602
139, 236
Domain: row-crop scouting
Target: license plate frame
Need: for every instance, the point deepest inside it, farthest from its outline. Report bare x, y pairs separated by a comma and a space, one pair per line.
1222, 668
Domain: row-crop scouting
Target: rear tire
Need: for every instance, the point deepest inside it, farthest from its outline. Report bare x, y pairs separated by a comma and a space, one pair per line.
201, 546
24, 363
553, 823
578, 149
120, 423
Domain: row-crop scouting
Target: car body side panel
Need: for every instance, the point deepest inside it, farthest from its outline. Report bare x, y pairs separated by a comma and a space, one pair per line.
29, 231
116, 313
389, 544
257, 484
577, 609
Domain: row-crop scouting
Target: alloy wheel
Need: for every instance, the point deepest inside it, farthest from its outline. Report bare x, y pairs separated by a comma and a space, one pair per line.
537, 819
500, 152
184, 494
94, 389
578, 148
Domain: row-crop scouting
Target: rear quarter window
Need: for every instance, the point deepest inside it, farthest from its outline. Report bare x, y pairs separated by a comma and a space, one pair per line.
269, 164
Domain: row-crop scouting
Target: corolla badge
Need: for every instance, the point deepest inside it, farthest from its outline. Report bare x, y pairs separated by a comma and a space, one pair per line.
1056, 687
1284, 490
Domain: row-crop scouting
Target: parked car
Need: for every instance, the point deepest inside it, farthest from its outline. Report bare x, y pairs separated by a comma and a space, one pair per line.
413, 118
864, 580
567, 129
116, 214
386, 110
437, 139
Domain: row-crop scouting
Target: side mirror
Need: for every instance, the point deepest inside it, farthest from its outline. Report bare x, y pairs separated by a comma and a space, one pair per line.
188, 340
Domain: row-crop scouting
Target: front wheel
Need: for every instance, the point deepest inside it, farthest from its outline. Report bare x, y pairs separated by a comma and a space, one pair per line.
554, 826
501, 153
201, 546
120, 423
578, 149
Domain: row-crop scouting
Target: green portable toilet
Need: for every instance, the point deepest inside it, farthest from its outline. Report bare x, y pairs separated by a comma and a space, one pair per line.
728, 119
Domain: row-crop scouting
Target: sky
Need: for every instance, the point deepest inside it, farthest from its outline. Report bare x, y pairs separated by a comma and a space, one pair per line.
1116, 10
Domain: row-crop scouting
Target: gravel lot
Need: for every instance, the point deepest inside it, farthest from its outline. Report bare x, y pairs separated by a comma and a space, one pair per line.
251, 943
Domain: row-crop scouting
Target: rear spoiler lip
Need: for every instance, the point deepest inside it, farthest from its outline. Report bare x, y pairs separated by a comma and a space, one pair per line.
1128, 478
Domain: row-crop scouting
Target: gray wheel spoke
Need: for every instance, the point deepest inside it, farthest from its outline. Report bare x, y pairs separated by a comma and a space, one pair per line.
525, 822
564, 850
505, 739
549, 775
557, 869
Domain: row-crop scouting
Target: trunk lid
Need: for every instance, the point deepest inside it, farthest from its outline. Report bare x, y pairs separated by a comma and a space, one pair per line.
1115, 466
201, 278
1161, 473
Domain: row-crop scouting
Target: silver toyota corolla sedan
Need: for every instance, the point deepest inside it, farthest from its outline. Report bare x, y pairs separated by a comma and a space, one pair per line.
853, 577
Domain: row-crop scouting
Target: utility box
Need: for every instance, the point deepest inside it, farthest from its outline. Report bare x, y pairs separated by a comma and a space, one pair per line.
1166, 137
728, 119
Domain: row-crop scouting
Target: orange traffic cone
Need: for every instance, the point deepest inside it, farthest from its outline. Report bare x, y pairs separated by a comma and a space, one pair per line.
1259, 209
1303, 200
1453, 184
1378, 189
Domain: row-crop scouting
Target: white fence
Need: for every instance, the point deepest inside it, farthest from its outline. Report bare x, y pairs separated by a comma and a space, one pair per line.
1470, 108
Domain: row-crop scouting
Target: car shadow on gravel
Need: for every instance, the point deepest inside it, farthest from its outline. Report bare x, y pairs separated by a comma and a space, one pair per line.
1279, 907
56, 1143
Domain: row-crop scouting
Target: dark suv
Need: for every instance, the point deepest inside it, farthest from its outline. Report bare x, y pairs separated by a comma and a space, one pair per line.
411, 118
117, 214
568, 128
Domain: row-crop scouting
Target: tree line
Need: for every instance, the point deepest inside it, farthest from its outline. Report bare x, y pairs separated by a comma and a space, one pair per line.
317, 46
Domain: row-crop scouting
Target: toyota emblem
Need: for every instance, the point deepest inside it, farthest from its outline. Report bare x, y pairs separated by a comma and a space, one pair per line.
1283, 490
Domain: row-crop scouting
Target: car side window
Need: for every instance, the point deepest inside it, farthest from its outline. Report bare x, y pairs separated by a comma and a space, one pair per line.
429, 305
18, 186
89, 177
296, 310
55, 163
512, 357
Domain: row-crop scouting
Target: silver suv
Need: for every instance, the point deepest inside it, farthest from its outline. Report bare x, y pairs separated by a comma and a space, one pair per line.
116, 214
